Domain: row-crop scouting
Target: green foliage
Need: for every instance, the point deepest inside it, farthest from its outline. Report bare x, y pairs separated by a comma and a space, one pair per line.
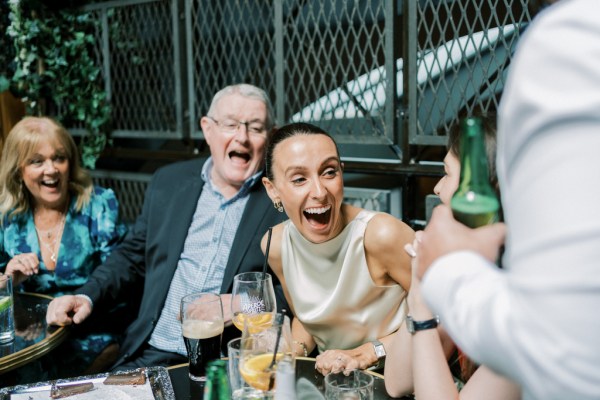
55, 67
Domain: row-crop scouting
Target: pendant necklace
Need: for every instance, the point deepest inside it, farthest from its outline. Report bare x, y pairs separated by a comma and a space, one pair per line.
53, 246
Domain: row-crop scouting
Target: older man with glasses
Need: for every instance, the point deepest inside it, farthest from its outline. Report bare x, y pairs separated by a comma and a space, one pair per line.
200, 225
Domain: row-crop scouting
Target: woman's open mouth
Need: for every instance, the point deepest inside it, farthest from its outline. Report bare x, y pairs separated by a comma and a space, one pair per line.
318, 217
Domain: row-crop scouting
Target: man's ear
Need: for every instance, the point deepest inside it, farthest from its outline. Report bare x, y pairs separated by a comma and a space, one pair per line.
206, 129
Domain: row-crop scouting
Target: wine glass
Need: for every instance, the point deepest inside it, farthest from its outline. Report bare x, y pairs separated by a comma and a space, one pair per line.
253, 303
266, 354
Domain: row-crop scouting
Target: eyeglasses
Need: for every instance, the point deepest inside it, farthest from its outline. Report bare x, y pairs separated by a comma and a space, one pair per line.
231, 126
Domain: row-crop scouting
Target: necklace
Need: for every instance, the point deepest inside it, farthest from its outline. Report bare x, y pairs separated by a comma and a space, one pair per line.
52, 245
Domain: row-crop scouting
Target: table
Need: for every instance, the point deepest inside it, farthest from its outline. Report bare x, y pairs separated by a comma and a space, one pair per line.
33, 337
186, 389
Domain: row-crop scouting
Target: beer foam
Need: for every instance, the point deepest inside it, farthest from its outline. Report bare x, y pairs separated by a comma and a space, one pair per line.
196, 329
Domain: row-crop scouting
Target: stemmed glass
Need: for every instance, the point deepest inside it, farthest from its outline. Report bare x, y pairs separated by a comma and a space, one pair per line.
253, 303
268, 353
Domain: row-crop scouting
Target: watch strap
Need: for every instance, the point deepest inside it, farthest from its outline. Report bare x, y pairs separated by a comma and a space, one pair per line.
415, 326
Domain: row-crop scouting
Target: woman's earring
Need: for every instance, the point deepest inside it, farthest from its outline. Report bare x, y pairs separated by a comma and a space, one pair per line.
278, 206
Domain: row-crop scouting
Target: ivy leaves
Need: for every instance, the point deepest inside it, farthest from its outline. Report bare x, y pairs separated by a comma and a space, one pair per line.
56, 69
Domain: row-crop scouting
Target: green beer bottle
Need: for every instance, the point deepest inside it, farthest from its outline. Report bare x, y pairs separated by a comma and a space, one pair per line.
217, 382
475, 203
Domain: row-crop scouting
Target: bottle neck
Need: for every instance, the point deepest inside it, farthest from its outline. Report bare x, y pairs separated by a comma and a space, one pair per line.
474, 171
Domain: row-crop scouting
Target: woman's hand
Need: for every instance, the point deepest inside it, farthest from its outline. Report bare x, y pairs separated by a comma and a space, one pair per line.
22, 266
335, 361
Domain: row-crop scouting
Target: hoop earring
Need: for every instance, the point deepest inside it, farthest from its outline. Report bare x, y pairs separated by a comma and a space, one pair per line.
278, 206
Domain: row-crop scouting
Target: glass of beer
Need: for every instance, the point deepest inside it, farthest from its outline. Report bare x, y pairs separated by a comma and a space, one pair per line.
253, 303
202, 327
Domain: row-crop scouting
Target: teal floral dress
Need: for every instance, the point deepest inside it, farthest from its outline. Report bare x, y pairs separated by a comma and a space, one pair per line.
87, 240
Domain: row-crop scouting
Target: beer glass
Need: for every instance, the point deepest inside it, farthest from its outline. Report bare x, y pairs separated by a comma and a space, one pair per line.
253, 303
202, 327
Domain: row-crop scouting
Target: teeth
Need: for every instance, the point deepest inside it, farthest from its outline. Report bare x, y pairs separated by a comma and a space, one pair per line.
52, 182
320, 210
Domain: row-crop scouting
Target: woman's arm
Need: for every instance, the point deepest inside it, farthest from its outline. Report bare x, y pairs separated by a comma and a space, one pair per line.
303, 340
384, 240
415, 361
487, 384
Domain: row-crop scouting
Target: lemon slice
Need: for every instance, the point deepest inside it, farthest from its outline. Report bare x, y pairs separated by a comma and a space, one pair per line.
255, 322
255, 370
5, 303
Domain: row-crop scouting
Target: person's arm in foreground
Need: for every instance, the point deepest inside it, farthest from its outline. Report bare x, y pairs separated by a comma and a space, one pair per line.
528, 320
430, 349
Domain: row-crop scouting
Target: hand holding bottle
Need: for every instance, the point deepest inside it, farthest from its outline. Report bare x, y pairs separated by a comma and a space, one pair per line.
444, 234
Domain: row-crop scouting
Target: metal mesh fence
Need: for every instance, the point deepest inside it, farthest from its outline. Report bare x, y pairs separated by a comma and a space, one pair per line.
368, 71
130, 189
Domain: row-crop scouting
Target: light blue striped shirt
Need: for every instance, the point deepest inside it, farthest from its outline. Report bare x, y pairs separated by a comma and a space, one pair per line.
202, 263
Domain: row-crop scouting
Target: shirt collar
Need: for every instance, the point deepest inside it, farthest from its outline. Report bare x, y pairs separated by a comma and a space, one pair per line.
248, 183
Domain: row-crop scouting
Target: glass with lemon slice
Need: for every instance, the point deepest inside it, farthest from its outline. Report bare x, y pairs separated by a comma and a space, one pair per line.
7, 322
262, 353
253, 301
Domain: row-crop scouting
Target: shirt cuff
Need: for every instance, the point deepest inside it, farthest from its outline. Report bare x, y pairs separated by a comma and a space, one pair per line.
445, 274
85, 296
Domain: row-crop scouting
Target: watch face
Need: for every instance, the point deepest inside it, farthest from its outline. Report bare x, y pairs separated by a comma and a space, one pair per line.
379, 349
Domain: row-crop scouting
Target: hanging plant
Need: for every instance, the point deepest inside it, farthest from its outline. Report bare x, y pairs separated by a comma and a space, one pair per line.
56, 71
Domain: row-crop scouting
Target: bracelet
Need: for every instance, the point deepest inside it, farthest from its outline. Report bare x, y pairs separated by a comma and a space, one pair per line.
303, 345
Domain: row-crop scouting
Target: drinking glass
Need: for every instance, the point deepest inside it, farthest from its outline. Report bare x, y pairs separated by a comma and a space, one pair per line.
202, 327
356, 386
262, 353
7, 320
239, 388
253, 303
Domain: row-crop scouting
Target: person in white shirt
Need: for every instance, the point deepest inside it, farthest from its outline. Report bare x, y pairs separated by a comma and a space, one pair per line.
534, 322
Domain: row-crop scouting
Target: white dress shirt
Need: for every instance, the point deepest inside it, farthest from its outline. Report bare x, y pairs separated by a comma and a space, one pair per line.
538, 321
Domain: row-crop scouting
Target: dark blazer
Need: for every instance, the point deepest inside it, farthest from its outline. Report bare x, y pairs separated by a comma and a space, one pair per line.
148, 257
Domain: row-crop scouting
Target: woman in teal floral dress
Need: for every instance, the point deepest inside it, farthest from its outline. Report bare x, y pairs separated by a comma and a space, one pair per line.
55, 226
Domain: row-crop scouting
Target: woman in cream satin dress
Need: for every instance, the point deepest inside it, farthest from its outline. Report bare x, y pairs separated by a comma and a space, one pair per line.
343, 270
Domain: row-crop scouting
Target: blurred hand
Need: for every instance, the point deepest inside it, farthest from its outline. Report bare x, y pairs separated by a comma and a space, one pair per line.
67, 310
22, 266
444, 235
31, 332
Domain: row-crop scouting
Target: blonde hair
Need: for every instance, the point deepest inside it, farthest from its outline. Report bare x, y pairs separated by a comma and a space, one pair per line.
22, 142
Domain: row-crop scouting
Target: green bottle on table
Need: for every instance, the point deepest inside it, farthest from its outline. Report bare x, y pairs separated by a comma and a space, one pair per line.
217, 382
475, 202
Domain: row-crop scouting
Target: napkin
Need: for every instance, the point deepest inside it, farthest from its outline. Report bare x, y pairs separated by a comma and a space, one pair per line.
306, 390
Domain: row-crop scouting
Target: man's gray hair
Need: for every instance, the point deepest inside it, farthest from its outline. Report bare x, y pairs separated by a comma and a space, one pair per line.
245, 90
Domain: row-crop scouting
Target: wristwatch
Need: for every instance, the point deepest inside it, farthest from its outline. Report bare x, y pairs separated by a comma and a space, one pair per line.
415, 326
379, 352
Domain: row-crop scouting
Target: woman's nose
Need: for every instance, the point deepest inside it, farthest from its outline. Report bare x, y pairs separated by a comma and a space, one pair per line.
49, 167
318, 190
